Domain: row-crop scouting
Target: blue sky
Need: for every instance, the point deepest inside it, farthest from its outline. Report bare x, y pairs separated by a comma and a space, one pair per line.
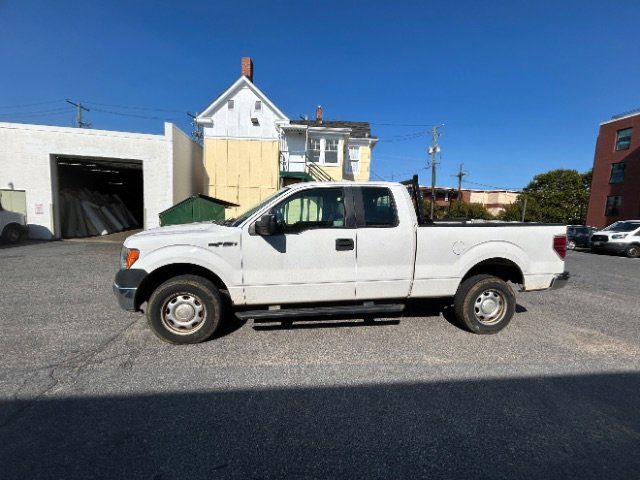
520, 86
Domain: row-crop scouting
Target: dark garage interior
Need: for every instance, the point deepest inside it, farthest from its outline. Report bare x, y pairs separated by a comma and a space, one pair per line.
98, 195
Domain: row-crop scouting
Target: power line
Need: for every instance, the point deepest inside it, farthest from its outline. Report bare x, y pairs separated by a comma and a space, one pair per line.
32, 104
35, 113
131, 107
133, 115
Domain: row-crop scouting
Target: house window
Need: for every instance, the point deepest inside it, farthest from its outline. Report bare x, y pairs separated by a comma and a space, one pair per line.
331, 150
230, 104
623, 139
613, 205
353, 165
617, 173
314, 149
258, 106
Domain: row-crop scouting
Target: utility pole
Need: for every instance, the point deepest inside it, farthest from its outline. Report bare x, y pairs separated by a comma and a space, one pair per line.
434, 149
524, 207
196, 129
461, 174
79, 109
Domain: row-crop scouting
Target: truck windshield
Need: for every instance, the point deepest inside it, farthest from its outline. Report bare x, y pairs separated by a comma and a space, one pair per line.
623, 226
235, 222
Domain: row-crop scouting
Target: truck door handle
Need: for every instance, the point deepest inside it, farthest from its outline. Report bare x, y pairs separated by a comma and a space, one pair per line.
344, 244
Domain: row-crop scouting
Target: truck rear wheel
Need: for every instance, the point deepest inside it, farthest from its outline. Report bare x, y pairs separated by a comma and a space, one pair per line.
484, 304
185, 309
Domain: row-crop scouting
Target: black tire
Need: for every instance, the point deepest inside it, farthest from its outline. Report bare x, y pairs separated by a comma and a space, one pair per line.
492, 289
11, 234
199, 296
633, 251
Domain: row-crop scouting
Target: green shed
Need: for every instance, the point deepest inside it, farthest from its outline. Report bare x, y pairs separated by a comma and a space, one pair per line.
197, 208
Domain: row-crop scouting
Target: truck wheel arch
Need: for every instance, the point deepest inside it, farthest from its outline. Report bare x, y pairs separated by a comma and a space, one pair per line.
502, 268
158, 276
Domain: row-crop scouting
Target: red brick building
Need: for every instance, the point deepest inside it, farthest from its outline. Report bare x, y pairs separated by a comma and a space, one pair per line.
615, 188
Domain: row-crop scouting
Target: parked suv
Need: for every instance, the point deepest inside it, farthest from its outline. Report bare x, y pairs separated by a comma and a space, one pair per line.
619, 237
578, 236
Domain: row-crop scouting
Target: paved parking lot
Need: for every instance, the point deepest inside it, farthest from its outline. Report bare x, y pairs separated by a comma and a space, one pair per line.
86, 391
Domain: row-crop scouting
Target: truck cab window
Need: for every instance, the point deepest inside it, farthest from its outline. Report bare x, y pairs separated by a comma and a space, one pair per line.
314, 208
379, 208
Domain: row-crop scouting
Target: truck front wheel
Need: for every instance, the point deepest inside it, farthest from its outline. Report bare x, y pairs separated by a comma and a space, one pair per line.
484, 304
11, 234
185, 309
633, 251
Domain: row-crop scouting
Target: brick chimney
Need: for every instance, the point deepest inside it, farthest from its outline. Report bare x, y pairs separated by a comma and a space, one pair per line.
319, 114
247, 68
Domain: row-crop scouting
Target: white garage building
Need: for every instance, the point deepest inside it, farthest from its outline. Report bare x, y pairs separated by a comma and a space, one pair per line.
148, 172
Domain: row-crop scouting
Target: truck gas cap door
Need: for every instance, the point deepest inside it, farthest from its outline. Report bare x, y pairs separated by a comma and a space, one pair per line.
459, 247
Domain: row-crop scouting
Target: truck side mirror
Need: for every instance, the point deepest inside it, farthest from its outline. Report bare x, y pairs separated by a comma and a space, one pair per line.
267, 225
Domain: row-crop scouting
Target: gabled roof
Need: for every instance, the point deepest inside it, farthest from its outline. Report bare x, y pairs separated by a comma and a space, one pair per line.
241, 82
358, 129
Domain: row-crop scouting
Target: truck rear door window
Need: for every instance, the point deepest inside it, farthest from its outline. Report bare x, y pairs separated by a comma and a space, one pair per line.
379, 209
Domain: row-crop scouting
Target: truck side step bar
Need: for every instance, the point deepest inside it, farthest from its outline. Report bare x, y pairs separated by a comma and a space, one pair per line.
366, 309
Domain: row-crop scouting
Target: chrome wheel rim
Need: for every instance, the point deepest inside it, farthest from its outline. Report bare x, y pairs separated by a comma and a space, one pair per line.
183, 313
489, 307
571, 245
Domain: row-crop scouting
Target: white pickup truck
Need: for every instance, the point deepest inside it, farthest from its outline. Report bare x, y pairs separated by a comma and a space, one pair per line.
316, 249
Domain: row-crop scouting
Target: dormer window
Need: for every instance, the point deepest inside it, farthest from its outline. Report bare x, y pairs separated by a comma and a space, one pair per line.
258, 107
230, 104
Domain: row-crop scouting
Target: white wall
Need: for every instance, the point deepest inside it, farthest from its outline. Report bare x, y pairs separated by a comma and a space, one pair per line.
294, 149
27, 153
188, 163
236, 123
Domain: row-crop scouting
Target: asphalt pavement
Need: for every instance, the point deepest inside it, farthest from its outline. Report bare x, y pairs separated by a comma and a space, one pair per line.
87, 391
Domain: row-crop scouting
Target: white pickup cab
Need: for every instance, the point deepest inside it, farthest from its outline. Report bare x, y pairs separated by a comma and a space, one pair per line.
333, 248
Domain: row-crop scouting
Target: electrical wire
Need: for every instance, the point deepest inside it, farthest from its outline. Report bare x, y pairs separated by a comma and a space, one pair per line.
36, 113
131, 107
31, 104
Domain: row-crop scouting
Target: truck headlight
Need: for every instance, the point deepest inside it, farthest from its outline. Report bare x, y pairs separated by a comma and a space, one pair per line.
620, 235
128, 257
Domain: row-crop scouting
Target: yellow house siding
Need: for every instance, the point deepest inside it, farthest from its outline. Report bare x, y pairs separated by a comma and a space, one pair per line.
241, 171
365, 164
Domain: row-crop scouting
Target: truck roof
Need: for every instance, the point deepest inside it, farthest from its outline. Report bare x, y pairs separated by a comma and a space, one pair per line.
342, 183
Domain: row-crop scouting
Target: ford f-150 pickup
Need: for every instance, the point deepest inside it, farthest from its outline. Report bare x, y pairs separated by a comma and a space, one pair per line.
333, 248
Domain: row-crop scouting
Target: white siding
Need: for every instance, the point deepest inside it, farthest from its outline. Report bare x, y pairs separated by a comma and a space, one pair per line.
236, 122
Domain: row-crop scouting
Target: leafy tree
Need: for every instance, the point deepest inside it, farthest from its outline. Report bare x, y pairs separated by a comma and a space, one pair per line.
459, 210
557, 196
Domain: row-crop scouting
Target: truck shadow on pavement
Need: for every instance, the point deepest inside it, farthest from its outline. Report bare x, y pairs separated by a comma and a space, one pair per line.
414, 309
581, 427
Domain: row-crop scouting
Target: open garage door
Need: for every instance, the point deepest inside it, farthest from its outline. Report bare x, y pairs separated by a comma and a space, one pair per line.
97, 196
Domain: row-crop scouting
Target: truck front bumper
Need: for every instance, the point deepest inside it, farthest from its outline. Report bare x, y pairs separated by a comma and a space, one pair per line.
126, 286
560, 281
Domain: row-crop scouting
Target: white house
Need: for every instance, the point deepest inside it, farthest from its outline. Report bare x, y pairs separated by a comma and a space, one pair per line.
251, 147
